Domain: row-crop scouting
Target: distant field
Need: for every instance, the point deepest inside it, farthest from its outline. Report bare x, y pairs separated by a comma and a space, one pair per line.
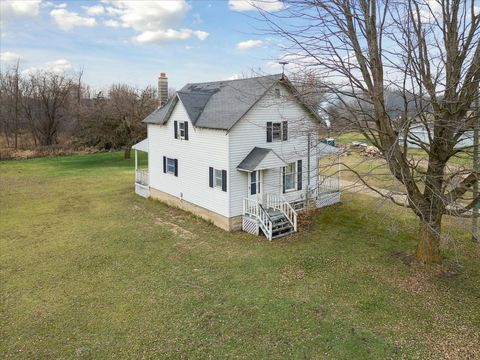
375, 169
90, 270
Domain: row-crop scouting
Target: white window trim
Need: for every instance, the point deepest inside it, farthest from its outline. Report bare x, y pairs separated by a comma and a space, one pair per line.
167, 166
294, 174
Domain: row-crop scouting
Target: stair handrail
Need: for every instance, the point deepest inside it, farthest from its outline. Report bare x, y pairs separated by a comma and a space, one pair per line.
254, 208
279, 202
290, 212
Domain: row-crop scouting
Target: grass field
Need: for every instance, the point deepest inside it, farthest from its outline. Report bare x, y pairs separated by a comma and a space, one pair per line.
90, 270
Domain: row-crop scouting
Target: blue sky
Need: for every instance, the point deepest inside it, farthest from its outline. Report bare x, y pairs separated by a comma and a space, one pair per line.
133, 41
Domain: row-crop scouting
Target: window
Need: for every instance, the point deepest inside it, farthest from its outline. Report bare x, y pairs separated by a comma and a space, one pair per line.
181, 128
277, 92
289, 177
277, 131
218, 178
170, 166
254, 183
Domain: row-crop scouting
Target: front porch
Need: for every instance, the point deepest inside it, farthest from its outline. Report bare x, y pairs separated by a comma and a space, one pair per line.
278, 190
142, 187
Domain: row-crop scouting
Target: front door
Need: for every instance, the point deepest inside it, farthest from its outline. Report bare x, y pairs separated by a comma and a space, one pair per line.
255, 186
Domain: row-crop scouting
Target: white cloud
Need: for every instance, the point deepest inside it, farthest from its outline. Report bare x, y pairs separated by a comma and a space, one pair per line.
94, 10
159, 36
155, 21
67, 20
59, 66
10, 9
8, 56
252, 5
112, 23
50, 4
249, 44
144, 15
201, 35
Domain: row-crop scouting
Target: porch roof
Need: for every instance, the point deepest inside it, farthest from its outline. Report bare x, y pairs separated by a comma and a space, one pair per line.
141, 146
325, 149
260, 159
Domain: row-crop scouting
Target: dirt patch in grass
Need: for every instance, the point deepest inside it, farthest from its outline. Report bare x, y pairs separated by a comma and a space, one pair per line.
176, 229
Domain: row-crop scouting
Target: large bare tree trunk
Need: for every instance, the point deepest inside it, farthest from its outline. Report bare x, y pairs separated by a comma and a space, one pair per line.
126, 153
428, 247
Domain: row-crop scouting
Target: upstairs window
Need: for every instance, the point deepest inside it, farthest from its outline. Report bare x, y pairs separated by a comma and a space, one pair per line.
277, 92
277, 131
180, 130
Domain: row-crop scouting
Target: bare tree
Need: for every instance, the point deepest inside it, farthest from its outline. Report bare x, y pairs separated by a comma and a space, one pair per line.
10, 98
115, 121
47, 101
426, 52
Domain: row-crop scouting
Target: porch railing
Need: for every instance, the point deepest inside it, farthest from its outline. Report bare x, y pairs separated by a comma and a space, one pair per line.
253, 208
141, 176
328, 183
278, 202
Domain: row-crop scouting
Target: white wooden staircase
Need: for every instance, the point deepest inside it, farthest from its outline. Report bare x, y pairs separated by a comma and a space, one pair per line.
275, 217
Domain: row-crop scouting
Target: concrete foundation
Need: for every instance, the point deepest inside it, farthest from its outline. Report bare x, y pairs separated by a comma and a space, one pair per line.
223, 222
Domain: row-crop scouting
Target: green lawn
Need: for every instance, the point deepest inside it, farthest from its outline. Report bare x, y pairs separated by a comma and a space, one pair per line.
90, 270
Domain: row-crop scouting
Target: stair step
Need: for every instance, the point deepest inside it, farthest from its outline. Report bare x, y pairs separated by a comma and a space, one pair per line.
282, 229
276, 236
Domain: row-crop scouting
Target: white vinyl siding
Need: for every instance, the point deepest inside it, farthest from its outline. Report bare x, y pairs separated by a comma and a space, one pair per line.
250, 132
222, 150
205, 148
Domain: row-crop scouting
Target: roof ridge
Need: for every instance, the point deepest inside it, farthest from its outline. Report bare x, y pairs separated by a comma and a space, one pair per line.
231, 80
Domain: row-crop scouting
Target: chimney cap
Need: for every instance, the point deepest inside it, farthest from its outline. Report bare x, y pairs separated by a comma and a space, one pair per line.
163, 75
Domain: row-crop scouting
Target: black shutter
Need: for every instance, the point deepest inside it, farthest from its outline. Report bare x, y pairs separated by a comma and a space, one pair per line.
283, 180
176, 166
224, 180
164, 164
299, 175
285, 130
269, 131
186, 130
175, 129
210, 177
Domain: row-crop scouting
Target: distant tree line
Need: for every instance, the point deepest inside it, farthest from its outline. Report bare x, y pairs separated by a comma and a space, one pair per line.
45, 109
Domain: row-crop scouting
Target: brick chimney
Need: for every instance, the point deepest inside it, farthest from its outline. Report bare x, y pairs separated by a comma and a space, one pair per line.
162, 93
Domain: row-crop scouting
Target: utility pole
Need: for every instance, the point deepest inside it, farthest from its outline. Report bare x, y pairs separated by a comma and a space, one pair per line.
476, 167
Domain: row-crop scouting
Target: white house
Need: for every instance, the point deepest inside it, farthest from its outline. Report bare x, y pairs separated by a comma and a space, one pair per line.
241, 153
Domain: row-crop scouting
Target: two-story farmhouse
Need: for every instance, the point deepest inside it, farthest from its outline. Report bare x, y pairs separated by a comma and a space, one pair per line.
241, 153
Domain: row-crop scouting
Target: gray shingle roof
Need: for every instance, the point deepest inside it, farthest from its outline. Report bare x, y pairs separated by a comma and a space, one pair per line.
219, 104
253, 158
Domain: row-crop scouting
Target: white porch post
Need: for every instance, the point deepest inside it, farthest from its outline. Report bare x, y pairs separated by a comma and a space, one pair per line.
136, 160
338, 172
